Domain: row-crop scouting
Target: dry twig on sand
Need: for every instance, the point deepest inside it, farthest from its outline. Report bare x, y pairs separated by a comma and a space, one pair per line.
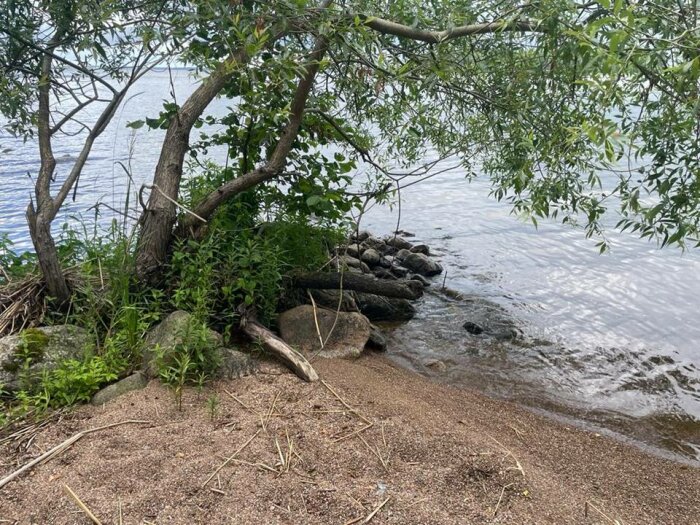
80, 504
63, 446
231, 458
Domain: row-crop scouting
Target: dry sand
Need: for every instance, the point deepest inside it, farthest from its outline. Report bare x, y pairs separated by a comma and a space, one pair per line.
428, 454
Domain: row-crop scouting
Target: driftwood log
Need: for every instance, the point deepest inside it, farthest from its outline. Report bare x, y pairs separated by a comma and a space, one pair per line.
402, 289
279, 348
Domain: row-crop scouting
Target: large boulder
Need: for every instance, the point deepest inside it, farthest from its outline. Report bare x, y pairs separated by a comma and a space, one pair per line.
348, 334
25, 356
380, 308
168, 336
421, 264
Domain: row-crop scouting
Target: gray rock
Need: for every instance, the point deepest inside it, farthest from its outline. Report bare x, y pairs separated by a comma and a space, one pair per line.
360, 236
421, 248
402, 254
371, 257
345, 261
383, 273
473, 328
417, 277
380, 308
353, 250
331, 298
235, 364
348, 337
373, 242
377, 340
168, 335
399, 271
487, 319
25, 356
385, 261
135, 381
422, 264
398, 242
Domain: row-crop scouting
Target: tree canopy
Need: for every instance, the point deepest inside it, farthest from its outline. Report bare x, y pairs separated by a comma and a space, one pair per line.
540, 97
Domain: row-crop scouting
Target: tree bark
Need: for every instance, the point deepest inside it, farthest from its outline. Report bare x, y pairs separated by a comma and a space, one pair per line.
406, 289
280, 349
160, 214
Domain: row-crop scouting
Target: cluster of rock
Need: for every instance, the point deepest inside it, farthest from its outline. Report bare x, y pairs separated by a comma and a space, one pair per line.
340, 323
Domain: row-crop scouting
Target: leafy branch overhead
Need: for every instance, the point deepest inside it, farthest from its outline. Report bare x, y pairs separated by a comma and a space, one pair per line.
541, 97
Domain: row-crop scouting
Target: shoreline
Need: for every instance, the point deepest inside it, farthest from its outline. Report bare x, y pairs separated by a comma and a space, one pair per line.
441, 454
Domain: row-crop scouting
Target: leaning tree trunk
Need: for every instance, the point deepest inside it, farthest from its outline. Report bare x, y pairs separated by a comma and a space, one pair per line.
47, 255
160, 214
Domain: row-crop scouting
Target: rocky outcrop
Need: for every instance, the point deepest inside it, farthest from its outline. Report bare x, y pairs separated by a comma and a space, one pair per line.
168, 336
25, 356
344, 337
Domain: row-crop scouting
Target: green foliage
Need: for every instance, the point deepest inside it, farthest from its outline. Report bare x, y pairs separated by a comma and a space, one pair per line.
192, 361
12, 264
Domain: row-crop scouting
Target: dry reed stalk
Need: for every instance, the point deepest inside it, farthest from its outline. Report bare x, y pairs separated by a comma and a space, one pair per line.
374, 512
345, 404
61, 447
80, 504
231, 458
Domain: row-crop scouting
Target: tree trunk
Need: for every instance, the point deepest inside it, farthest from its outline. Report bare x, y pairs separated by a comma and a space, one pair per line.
160, 214
40, 232
406, 289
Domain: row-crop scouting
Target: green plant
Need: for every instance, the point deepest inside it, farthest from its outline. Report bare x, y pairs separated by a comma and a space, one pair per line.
213, 406
192, 361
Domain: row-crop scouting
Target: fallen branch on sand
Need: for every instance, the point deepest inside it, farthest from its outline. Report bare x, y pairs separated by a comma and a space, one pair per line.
63, 446
279, 348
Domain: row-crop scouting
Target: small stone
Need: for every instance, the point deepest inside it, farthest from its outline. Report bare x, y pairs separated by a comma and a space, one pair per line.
377, 340
402, 254
436, 365
473, 328
417, 277
399, 271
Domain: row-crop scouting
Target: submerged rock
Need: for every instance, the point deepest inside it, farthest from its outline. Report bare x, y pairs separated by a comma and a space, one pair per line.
349, 333
168, 335
135, 381
421, 264
472, 328
25, 356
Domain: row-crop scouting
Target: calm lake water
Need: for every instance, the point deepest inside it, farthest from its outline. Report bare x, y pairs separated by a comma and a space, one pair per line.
609, 341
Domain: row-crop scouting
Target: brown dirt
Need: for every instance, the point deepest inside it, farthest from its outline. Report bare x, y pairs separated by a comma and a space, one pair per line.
438, 454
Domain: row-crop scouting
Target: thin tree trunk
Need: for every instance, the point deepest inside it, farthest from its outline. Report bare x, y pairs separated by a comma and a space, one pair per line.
39, 219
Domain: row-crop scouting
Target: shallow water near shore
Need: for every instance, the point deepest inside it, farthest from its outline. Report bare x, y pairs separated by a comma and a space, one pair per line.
610, 341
